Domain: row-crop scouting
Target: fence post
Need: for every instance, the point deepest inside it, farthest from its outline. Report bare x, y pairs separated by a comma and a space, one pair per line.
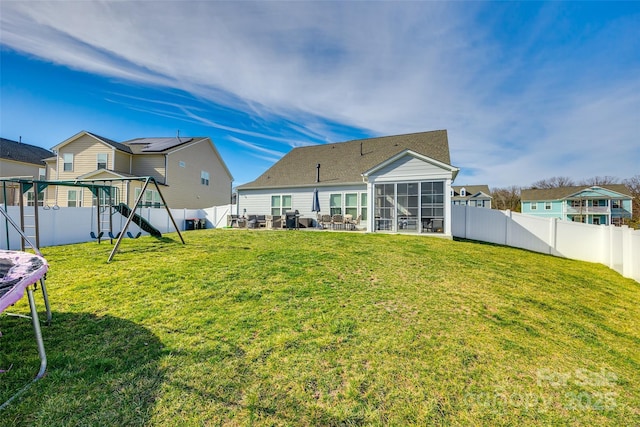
467, 221
553, 233
507, 231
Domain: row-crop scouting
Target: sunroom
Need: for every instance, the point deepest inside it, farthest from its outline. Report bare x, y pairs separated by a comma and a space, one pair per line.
411, 193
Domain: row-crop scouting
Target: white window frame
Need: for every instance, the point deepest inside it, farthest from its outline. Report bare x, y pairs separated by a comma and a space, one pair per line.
75, 201
42, 173
67, 159
150, 199
333, 208
534, 206
547, 206
30, 198
280, 207
204, 177
99, 162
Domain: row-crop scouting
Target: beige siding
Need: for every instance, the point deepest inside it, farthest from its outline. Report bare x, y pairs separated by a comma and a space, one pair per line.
122, 162
149, 165
185, 189
85, 152
9, 168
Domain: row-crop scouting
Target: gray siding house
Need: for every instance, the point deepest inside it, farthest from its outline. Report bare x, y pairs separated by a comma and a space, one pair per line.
398, 183
471, 195
20, 160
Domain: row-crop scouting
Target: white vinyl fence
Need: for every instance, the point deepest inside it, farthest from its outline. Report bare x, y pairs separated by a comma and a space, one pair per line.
616, 247
74, 225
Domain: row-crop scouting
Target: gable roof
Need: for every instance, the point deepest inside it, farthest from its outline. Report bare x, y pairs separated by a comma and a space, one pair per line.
107, 141
25, 153
560, 193
472, 190
345, 162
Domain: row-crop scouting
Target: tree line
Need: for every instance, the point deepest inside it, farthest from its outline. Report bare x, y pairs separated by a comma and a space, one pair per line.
509, 197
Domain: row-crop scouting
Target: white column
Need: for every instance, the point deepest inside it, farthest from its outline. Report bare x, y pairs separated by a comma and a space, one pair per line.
447, 207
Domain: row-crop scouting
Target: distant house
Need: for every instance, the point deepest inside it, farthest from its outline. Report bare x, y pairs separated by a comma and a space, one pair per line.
19, 160
471, 195
190, 170
396, 183
604, 204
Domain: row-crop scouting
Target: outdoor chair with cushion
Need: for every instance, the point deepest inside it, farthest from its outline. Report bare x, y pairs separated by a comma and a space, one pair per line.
337, 221
325, 221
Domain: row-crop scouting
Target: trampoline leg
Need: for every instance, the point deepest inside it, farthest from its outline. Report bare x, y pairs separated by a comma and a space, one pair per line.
45, 296
36, 329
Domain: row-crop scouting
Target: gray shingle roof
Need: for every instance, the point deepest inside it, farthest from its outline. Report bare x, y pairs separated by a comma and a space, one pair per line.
470, 189
560, 193
113, 143
21, 152
343, 163
157, 145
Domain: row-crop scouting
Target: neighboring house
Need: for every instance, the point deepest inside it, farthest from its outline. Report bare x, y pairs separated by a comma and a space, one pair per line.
19, 160
604, 204
396, 183
190, 170
471, 195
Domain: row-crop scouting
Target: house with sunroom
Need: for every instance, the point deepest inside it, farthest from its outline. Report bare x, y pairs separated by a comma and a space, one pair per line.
598, 204
189, 170
20, 160
471, 195
399, 183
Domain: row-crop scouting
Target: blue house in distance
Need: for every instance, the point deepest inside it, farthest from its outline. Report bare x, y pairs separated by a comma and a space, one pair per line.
599, 205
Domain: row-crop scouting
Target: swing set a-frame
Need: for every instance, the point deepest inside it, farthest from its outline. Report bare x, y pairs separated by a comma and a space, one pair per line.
104, 192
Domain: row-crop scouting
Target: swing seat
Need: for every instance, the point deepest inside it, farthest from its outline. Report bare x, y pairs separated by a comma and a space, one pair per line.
116, 236
99, 236
132, 236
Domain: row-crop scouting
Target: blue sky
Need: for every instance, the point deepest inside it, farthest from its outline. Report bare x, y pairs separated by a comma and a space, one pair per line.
526, 90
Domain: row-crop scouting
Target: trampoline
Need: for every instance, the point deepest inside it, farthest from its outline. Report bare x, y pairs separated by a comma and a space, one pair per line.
20, 271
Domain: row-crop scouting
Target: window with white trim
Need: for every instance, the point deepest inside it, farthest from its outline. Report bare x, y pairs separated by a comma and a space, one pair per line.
31, 201
351, 204
67, 158
363, 206
547, 206
204, 177
42, 173
102, 160
335, 204
72, 199
150, 199
280, 204
534, 206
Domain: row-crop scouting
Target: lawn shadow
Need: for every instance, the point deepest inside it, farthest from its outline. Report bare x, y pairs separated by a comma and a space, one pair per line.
102, 370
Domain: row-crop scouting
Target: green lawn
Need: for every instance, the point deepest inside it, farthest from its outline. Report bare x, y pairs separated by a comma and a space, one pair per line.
318, 328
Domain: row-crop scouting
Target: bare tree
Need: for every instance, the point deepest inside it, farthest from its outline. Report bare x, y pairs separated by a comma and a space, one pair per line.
633, 184
506, 198
600, 180
554, 182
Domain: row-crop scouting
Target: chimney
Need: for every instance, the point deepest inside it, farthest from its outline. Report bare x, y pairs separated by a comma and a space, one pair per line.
361, 148
318, 172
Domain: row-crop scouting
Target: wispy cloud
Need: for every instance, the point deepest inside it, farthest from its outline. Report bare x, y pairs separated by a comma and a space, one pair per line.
518, 85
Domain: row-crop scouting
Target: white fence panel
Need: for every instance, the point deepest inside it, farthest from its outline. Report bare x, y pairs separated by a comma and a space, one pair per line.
527, 232
580, 241
616, 247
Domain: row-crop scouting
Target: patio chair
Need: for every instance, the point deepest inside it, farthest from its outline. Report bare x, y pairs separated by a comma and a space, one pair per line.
348, 222
337, 221
325, 221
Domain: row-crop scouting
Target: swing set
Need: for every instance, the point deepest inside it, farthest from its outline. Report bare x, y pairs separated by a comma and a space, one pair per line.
107, 203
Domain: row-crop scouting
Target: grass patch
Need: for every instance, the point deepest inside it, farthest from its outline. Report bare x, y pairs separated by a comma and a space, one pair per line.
292, 328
